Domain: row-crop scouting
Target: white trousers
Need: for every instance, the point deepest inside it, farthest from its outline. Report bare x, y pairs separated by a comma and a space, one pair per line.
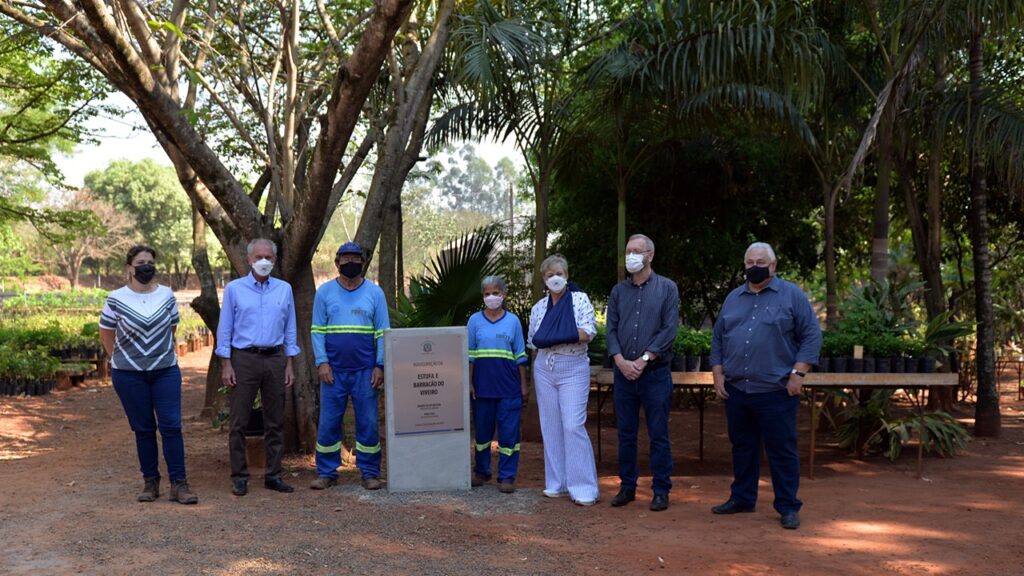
563, 386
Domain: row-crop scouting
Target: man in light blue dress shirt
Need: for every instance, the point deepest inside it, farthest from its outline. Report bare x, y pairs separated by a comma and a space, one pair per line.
766, 338
256, 340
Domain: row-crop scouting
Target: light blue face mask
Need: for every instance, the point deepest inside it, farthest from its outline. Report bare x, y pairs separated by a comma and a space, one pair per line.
634, 263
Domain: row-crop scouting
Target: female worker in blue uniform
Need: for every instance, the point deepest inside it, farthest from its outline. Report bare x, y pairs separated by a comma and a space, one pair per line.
497, 368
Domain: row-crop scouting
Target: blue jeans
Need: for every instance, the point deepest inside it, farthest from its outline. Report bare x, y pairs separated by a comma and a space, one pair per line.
653, 392
147, 393
768, 418
503, 414
333, 402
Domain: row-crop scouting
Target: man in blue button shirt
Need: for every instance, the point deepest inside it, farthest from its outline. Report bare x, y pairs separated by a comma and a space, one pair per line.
256, 340
766, 339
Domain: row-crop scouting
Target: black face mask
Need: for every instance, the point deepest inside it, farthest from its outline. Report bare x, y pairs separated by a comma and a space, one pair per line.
144, 273
757, 274
351, 270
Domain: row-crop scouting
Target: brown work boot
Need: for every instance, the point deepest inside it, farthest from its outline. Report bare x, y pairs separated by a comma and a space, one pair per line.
372, 483
151, 491
180, 492
323, 483
478, 480
506, 486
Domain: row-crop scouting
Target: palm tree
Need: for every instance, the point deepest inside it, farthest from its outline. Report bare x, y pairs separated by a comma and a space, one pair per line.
678, 66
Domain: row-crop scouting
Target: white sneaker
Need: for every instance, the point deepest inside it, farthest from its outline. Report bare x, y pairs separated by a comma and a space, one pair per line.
550, 494
584, 502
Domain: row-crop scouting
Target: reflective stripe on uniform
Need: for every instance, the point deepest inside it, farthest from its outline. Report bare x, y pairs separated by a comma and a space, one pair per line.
482, 447
508, 451
493, 353
367, 449
328, 449
342, 329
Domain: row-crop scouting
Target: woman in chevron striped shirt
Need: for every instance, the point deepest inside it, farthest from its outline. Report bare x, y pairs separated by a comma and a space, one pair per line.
137, 329
497, 368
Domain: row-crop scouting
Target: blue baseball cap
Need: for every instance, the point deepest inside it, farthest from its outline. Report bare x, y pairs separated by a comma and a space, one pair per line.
349, 248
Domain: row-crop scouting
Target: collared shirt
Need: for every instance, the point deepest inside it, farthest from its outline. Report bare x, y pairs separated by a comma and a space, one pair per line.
643, 317
759, 336
496, 350
348, 326
257, 314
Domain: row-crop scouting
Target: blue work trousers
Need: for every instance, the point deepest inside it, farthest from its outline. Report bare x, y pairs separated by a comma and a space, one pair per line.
152, 401
768, 418
333, 402
503, 414
652, 391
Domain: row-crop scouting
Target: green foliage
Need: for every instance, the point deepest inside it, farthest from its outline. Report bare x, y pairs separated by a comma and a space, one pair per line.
945, 435
941, 333
690, 342
450, 292
883, 345
152, 195
838, 344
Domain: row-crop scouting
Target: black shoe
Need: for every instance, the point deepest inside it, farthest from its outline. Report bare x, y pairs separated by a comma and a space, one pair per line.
791, 520
659, 503
240, 488
731, 507
625, 496
278, 485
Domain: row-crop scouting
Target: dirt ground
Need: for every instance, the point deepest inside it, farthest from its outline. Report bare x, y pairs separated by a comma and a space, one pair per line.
68, 478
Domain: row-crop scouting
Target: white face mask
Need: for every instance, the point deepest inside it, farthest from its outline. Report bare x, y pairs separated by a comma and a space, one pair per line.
493, 301
262, 267
634, 263
555, 283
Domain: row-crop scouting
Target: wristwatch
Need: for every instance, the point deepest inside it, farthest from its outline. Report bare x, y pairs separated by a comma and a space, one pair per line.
646, 357
798, 373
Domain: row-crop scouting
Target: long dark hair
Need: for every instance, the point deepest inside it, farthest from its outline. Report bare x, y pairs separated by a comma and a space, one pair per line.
136, 250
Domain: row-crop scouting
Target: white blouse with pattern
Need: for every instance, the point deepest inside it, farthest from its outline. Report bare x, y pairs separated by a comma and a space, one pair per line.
584, 313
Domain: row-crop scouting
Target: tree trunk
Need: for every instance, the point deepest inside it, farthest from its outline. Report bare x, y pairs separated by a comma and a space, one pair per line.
540, 232
987, 420
208, 308
302, 403
880, 226
387, 262
620, 236
831, 306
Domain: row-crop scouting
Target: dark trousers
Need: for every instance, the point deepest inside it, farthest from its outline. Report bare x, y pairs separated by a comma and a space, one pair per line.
503, 415
653, 392
264, 374
768, 418
152, 401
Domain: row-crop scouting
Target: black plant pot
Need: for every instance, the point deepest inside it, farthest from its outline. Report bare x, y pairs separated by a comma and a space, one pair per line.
896, 365
926, 365
855, 365
705, 363
678, 363
882, 365
869, 365
824, 364
692, 363
255, 424
839, 364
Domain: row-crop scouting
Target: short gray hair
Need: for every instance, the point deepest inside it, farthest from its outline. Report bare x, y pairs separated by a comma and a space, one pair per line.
648, 241
552, 261
255, 241
496, 281
761, 246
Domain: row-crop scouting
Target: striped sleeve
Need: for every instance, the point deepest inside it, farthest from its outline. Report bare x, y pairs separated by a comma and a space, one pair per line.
471, 337
108, 317
518, 343
173, 309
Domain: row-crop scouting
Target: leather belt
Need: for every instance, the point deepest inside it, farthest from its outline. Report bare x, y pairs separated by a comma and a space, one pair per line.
262, 351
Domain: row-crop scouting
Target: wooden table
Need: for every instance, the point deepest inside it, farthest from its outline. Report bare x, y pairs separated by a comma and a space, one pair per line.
601, 377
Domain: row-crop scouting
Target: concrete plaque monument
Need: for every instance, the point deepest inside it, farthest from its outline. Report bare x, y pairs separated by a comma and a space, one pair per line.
426, 382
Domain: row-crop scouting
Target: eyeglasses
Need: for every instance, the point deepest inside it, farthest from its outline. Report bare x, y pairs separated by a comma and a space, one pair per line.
635, 252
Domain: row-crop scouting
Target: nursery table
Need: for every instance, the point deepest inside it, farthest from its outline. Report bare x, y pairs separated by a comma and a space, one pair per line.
602, 380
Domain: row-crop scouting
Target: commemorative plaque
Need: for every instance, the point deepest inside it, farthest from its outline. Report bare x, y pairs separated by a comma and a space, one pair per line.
427, 396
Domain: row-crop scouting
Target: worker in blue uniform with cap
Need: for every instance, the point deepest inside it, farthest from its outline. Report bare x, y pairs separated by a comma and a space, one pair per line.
497, 356
349, 319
